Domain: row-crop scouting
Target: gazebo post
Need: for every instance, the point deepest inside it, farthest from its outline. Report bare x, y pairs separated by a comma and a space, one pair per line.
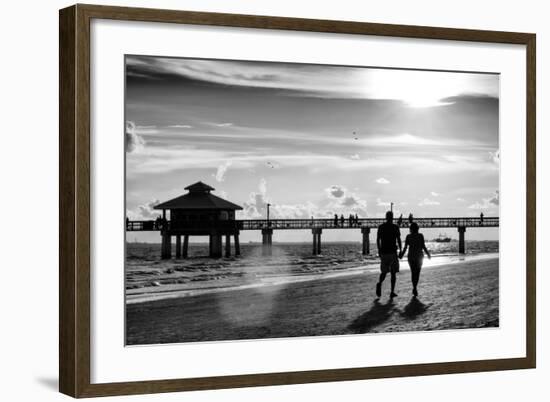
215, 245
166, 252
178, 246
185, 246
228, 245
237, 244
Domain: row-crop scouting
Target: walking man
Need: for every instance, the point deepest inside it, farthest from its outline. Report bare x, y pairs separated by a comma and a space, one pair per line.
388, 240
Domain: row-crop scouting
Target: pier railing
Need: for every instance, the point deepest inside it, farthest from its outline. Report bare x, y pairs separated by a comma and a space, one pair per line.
364, 223
296, 224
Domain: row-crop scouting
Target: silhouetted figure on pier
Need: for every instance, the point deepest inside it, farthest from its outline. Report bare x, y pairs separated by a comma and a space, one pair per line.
481, 218
335, 220
388, 239
350, 220
414, 242
342, 220
400, 220
410, 218
127, 223
356, 219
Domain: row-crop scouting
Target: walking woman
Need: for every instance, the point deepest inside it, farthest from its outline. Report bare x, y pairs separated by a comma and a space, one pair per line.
414, 242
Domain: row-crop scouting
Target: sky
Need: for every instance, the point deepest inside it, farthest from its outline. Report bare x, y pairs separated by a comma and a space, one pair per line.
312, 140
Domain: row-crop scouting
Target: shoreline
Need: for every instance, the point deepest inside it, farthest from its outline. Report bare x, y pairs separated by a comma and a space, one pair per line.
454, 296
154, 294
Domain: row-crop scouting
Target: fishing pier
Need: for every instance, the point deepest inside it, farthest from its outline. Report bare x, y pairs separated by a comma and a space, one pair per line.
200, 213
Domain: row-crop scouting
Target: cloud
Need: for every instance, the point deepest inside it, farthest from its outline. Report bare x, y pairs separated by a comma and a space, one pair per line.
487, 203
335, 191
381, 180
434, 194
134, 142
496, 198
355, 157
222, 169
428, 202
343, 202
381, 203
460, 199
144, 211
414, 87
220, 124
263, 186
256, 205
340, 202
180, 126
297, 211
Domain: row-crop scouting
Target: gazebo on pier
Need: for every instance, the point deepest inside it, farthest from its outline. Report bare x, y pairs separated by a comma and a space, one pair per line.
199, 213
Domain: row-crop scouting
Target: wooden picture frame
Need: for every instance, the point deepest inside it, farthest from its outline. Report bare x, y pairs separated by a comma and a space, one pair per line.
75, 199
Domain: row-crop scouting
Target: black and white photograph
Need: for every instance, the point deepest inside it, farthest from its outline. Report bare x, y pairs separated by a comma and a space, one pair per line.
278, 200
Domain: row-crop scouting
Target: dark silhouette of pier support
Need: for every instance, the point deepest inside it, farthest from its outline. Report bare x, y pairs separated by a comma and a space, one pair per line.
237, 244
228, 245
166, 247
215, 245
461, 243
316, 240
217, 228
267, 240
366, 240
178, 246
185, 246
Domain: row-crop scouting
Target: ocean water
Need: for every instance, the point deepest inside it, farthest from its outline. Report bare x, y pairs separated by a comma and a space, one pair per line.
147, 277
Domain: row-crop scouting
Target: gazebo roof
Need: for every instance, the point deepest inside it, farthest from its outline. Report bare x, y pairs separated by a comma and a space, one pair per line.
198, 197
199, 187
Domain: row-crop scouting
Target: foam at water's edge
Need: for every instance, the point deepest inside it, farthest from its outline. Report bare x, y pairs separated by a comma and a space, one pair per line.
167, 292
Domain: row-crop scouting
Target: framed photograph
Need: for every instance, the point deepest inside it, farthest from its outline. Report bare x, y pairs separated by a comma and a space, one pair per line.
250, 200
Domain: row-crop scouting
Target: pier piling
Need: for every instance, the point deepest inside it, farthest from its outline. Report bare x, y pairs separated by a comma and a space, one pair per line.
366, 240
316, 240
166, 252
216, 229
228, 245
237, 244
461, 243
185, 245
178, 246
267, 240
215, 245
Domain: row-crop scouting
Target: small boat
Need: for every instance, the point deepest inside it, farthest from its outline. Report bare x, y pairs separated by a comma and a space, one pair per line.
442, 239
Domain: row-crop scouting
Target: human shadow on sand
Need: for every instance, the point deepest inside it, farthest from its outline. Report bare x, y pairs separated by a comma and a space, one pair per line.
414, 309
377, 314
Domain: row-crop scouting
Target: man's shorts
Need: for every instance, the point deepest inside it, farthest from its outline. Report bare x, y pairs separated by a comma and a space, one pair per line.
389, 263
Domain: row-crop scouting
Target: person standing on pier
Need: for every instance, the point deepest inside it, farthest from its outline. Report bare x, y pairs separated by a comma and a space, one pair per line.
388, 239
335, 220
414, 242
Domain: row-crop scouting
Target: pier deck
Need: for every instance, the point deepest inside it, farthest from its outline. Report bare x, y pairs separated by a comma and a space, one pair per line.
217, 229
297, 224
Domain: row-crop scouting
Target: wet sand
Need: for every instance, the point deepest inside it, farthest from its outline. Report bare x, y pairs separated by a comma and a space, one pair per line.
453, 296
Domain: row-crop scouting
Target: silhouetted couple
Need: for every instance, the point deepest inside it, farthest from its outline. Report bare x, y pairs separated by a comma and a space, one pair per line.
388, 241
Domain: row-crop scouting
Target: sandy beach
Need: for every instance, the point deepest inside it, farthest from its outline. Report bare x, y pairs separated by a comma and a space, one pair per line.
453, 296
